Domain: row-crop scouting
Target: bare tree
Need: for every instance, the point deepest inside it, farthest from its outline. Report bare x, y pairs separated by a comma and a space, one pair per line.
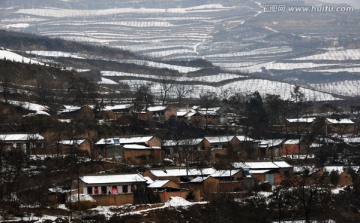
143, 97
5, 85
182, 91
166, 86
208, 99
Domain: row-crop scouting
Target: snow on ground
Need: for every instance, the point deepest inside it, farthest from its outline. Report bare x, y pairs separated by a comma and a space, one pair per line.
210, 78
335, 54
56, 54
246, 86
8, 55
107, 81
177, 202
180, 69
337, 190
29, 106
345, 88
61, 13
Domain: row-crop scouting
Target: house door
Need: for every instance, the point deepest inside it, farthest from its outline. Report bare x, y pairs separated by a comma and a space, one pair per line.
270, 177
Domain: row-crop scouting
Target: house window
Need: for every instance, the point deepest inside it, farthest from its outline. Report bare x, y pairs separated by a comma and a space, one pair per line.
89, 190
103, 189
286, 173
114, 190
125, 189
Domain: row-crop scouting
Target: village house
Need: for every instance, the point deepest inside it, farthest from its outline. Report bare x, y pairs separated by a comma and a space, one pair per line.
178, 174
70, 112
110, 190
299, 125
113, 147
243, 147
207, 116
218, 146
117, 111
233, 180
25, 141
71, 146
340, 126
292, 147
269, 148
206, 186
273, 172
186, 149
167, 189
161, 113
140, 154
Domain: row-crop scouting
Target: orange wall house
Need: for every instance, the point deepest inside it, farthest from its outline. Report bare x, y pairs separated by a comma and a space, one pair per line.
111, 189
292, 147
139, 154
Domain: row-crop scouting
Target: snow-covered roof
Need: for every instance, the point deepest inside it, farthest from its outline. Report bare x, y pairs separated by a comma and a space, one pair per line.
199, 179
20, 137
158, 183
181, 113
128, 140
37, 113
156, 108
262, 165
191, 113
207, 112
258, 171
219, 139
301, 169
300, 120
117, 107
339, 169
148, 180
224, 173
282, 164
292, 142
72, 142
186, 142
264, 143
140, 147
113, 179
178, 172
339, 121
242, 138
353, 140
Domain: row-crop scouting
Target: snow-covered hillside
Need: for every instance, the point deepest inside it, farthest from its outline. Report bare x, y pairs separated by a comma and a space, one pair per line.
9, 55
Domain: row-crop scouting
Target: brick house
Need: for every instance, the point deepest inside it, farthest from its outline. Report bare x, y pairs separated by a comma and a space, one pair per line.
299, 125
273, 172
67, 146
111, 189
292, 147
340, 126
117, 111
190, 149
25, 141
244, 147
161, 113
204, 184
217, 146
114, 146
232, 180
177, 174
268, 148
140, 154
